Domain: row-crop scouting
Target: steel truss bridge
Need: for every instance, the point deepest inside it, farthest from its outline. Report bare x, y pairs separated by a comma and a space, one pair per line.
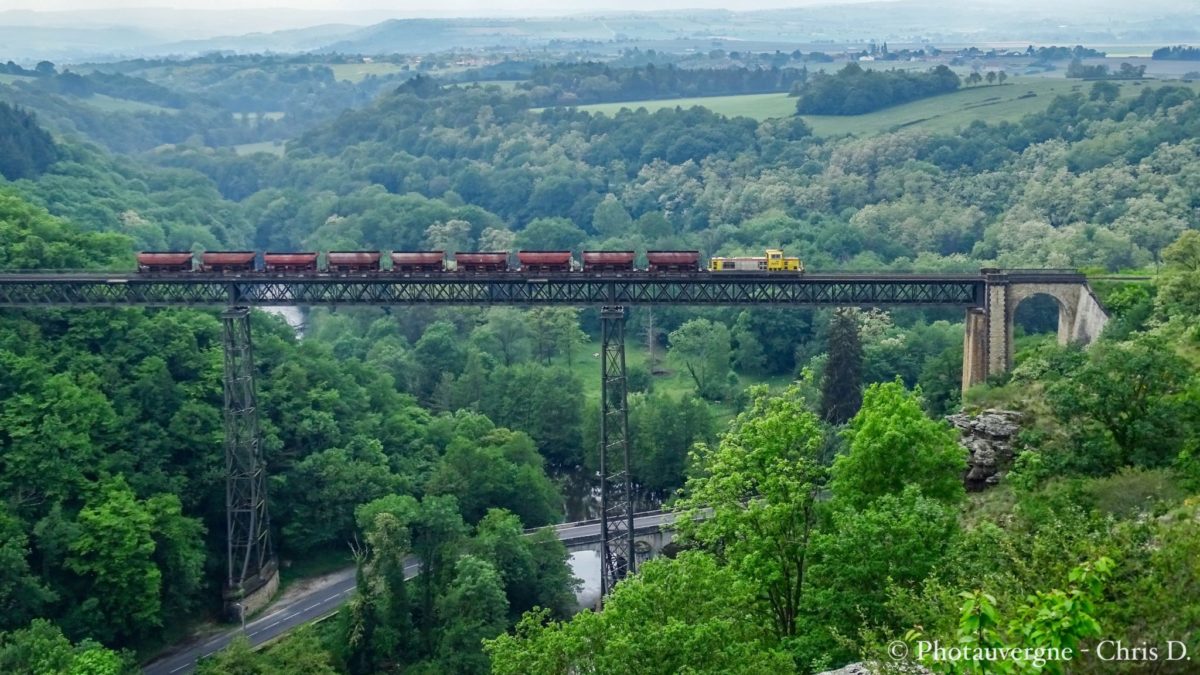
252, 575
262, 290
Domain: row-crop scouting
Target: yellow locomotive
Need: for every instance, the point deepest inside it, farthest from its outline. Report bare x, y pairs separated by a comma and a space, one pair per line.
774, 261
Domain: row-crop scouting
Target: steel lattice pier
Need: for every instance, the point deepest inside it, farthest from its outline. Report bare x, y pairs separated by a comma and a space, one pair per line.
616, 482
250, 556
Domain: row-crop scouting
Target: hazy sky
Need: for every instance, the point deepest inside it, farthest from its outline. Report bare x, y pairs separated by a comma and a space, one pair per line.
110, 9
419, 7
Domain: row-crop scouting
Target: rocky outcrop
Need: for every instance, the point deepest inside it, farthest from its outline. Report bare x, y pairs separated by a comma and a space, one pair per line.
865, 669
988, 438
851, 669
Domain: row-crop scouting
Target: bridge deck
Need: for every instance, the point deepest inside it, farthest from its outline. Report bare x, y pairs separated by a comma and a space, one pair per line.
98, 289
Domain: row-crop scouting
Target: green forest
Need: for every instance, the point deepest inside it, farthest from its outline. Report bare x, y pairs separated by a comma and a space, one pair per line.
600, 83
854, 91
819, 487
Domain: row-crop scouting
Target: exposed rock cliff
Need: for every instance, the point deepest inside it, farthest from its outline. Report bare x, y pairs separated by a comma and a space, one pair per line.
850, 669
988, 437
865, 669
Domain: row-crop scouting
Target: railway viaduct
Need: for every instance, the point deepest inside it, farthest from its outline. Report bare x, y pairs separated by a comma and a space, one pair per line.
990, 299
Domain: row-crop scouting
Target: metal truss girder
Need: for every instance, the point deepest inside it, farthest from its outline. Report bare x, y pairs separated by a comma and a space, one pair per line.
616, 483
247, 519
22, 290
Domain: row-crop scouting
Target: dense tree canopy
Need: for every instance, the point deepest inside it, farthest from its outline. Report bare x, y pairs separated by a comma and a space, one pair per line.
683, 615
25, 148
582, 83
854, 90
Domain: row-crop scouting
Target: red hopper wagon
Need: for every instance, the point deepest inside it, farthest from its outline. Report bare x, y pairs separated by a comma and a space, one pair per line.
227, 261
673, 261
419, 261
544, 261
608, 261
290, 262
164, 261
352, 261
481, 261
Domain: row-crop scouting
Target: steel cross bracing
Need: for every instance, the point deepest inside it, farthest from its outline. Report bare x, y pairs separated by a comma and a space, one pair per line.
249, 527
638, 288
616, 482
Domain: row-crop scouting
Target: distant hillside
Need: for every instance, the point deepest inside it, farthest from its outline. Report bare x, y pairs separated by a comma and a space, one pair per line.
905, 21
29, 44
59, 37
433, 35
298, 40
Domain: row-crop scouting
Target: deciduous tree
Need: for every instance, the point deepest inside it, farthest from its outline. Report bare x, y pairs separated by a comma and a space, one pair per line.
471, 610
115, 553
684, 615
610, 219
500, 469
702, 347
761, 483
891, 445
42, 649
22, 595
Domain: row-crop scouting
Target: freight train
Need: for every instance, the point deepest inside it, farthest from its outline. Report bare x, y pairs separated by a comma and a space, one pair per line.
464, 262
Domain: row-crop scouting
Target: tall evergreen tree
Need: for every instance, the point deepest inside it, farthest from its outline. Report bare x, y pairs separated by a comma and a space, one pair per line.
841, 386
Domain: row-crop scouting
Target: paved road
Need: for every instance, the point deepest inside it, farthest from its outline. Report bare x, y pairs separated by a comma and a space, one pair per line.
327, 600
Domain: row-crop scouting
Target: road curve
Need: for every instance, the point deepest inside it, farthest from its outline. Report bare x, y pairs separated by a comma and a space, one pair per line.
327, 600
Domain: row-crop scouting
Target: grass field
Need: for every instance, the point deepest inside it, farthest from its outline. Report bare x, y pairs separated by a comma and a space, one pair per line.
271, 115
506, 85
1008, 102
356, 72
100, 101
110, 104
758, 106
270, 147
676, 382
252, 118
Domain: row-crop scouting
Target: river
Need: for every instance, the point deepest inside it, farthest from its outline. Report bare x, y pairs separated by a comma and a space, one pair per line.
585, 565
294, 316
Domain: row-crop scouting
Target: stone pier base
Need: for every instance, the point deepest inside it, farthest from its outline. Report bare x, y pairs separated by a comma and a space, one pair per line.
974, 368
254, 594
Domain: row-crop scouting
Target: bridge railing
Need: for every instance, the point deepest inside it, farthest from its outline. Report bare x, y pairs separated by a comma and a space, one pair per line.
592, 521
1033, 275
1031, 270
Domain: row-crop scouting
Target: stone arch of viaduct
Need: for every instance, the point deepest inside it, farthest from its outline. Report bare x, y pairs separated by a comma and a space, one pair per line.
988, 336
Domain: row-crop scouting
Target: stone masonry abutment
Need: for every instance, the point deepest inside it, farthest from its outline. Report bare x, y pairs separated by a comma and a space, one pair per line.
988, 333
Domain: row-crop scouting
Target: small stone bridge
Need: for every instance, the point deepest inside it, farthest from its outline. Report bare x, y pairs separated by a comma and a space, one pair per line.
988, 337
652, 531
